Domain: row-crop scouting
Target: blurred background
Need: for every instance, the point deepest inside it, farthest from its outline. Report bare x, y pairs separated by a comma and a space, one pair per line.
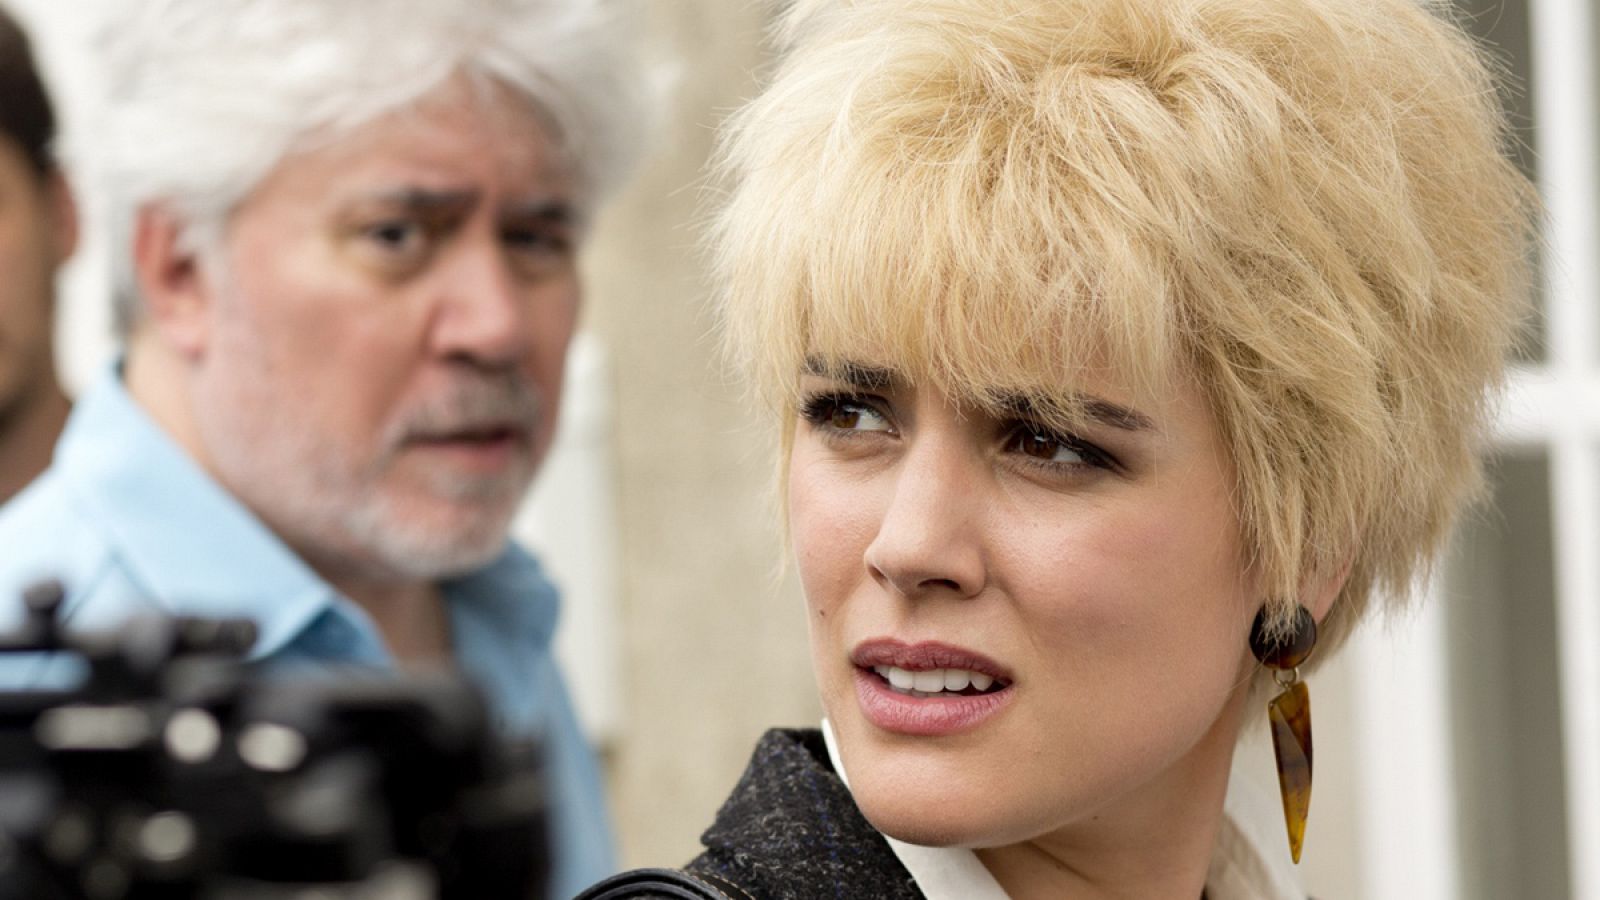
1457, 750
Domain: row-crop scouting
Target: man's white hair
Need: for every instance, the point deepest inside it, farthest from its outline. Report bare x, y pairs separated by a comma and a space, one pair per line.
205, 97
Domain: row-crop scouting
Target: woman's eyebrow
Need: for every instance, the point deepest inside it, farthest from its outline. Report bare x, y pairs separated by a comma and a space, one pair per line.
1100, 411
856, 375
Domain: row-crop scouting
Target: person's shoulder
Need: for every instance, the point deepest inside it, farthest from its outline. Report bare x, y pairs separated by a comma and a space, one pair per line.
662, 884
46, 539
41, 498
47, 535
790, 830
44, 536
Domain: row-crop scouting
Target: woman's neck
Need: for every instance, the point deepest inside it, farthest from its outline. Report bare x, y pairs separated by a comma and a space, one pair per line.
1157, 841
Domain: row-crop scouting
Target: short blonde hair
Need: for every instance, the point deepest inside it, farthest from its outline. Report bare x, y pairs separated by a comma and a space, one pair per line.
1301, 204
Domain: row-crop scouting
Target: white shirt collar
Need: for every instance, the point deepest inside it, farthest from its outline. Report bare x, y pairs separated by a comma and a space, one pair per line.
1241, 869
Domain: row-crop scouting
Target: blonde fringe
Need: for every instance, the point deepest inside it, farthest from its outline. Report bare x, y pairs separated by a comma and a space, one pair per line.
1302, 205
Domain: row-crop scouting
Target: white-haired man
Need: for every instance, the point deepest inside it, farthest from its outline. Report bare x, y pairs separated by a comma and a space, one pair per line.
344, 241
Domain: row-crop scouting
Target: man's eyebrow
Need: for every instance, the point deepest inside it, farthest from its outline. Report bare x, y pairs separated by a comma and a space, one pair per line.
554, 210
856, 375
424, 200
1100, 411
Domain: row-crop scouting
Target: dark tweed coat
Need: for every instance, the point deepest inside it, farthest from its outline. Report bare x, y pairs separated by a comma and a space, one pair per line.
791, 831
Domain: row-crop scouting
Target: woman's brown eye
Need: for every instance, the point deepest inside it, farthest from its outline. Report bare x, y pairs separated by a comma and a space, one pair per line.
1039, 446
1042, 445
840, 414
844, 417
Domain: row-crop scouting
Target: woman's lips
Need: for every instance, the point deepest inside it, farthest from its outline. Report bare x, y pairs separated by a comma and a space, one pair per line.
924, 655
896, 689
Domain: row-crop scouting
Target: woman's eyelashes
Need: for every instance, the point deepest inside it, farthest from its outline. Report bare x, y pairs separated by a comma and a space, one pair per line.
1042, 447
845, 416
842, 415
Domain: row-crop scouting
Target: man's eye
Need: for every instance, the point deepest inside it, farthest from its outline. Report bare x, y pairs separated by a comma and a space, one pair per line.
538, 240
396, 237
843, 414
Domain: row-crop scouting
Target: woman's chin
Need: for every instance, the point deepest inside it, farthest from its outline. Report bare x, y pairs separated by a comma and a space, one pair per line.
943, 819
929, 833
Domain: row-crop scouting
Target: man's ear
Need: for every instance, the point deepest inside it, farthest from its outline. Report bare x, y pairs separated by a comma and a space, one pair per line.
173, 287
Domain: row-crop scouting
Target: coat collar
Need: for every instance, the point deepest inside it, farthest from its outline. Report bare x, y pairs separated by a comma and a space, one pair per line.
791, 821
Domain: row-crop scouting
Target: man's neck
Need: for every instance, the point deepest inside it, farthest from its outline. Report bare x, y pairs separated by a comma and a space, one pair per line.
156, 380
28, 435
411, 617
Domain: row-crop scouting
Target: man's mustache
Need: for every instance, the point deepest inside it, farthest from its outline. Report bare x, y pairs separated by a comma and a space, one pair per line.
474, 406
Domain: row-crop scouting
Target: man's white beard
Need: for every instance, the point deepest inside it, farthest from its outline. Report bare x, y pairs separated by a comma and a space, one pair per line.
328, 502
410, 550
341, 515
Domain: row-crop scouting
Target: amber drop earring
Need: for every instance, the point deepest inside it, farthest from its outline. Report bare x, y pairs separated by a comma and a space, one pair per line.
1289, 714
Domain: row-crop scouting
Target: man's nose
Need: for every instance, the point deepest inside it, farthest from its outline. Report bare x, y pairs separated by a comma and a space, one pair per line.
930, 538
484, 313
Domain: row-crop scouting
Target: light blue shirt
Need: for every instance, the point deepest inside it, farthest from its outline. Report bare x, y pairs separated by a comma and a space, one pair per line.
129, 523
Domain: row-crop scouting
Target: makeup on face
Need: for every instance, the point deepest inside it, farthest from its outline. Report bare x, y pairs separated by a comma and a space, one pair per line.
927, 688
1019, 614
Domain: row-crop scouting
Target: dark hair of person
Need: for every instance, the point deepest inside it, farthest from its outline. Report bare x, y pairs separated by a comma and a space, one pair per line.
25, 113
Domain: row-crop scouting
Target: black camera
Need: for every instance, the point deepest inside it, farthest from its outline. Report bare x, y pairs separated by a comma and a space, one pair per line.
174, 769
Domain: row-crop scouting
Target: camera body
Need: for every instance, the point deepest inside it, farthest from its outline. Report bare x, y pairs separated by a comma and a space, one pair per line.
176, 769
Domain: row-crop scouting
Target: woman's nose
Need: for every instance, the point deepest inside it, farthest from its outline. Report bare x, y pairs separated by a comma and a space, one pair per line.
929, 540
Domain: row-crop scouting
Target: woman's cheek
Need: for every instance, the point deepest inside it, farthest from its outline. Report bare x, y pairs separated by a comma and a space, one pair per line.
830, 523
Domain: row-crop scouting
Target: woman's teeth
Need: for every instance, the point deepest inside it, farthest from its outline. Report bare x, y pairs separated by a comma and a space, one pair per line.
933, 682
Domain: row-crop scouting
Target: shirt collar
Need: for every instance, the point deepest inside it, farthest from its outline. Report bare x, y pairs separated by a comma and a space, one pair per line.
1241, 869
502, 618
941, 873
192, 545
511, 592
198, 551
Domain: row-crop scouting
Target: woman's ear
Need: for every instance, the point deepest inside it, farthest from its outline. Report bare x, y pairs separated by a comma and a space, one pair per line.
177, 296
1319, 591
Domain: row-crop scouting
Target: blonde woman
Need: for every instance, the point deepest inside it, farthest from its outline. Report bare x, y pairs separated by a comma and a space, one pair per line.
1125, 354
